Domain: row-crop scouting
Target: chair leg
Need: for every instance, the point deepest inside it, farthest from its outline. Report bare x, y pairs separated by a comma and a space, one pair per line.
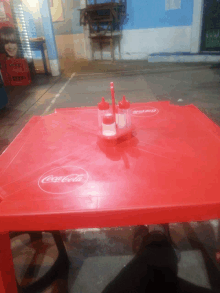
44, 60
60, 245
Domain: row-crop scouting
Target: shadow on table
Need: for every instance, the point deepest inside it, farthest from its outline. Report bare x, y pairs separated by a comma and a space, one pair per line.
121, 150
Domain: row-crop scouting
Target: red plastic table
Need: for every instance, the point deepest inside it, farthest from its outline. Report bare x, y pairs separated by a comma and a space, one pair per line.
57, 175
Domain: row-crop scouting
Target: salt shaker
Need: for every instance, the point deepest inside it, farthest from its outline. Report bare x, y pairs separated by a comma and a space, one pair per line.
103, 108
108, 125
124, 113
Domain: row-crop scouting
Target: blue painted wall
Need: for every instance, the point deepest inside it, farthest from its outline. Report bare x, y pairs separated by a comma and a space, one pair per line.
48, 30
143, 14
152, 14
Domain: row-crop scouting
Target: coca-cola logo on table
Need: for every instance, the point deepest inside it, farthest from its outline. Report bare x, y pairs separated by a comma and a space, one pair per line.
146, 111
63, 179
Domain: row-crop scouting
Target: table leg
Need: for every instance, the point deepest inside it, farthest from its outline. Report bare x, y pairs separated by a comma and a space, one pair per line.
119, 47
44, 61
112, 49
100, 44
7, 273
92, 47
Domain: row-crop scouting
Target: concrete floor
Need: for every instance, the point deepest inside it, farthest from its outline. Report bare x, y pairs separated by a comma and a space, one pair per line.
98, 255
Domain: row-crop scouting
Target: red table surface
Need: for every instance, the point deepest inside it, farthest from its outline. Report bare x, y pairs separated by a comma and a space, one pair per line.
167, 172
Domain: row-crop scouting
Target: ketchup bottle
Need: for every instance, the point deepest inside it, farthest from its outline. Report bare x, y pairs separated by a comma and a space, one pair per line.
103, 108
124, 113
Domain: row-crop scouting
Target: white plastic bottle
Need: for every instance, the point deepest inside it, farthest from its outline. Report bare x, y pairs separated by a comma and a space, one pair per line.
124, 113
103, 108
108, 125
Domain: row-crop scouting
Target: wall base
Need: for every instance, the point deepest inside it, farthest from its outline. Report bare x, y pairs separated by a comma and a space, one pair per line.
184, 58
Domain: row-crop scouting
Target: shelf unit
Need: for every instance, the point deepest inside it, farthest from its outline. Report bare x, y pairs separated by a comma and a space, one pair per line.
104, 22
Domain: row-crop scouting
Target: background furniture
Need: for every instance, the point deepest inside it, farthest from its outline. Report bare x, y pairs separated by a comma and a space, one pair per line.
104, 21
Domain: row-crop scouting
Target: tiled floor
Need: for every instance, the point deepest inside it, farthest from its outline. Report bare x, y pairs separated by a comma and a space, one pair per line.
96, 256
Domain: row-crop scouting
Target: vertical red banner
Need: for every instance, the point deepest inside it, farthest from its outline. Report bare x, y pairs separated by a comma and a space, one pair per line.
14, 68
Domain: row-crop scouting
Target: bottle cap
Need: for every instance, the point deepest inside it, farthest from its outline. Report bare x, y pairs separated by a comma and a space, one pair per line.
108, 119
124, 104
103, 105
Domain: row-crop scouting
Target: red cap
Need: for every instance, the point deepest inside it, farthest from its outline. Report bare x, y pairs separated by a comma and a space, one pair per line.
108, 119
124, 104
103, 105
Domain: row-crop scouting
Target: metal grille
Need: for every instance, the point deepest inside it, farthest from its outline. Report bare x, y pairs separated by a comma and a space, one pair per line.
21, 29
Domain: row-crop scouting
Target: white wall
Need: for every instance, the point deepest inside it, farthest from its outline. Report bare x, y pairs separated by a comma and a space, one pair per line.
139, 44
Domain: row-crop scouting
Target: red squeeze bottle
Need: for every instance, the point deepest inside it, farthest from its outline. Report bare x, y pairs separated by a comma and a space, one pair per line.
124, 115
103, 108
